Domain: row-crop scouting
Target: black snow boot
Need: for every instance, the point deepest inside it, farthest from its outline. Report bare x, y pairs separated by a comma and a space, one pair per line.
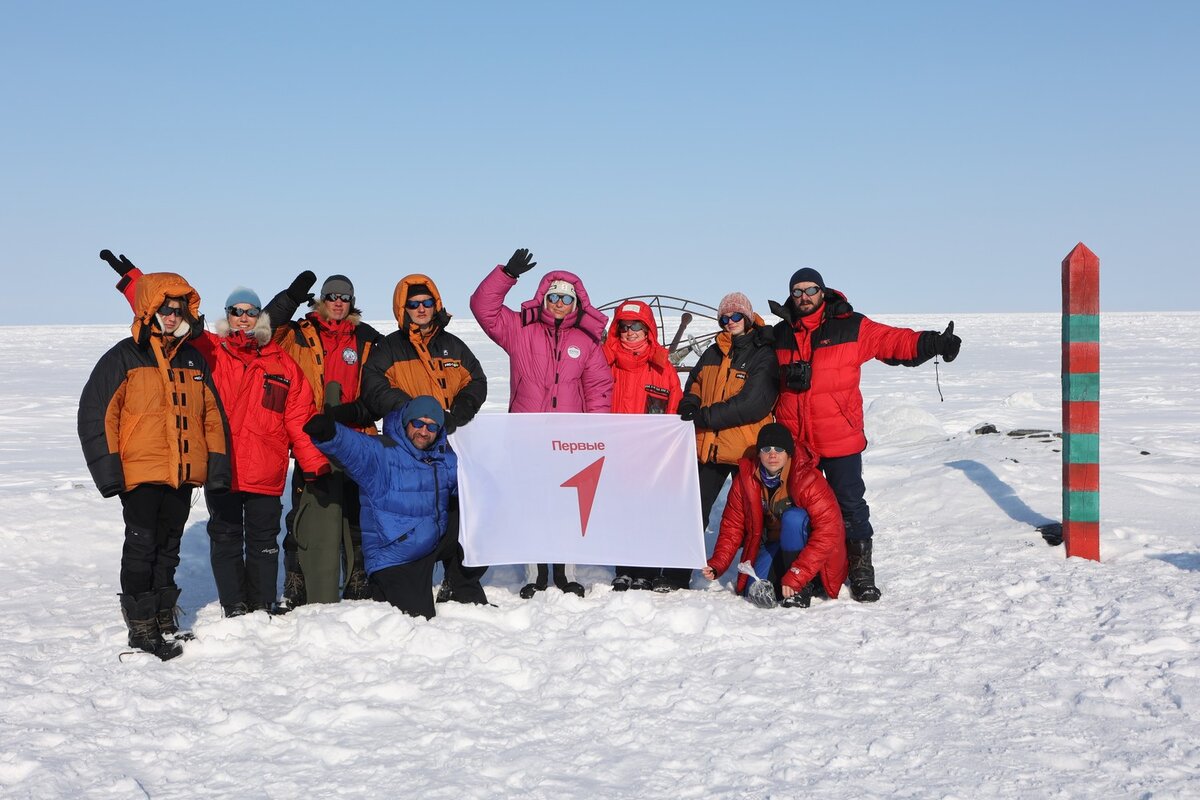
444, 593
168, 615
539, 584
236, 610
141, 618
294, 591
862, 573
357, 586
564, 585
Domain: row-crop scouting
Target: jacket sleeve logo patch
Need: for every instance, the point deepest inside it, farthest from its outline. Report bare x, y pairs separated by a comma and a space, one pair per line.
350, 355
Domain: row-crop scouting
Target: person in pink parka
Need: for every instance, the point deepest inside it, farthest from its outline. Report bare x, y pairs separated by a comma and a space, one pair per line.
555, 356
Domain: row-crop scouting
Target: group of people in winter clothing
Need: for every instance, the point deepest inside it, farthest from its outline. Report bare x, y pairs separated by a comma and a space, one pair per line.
176, 406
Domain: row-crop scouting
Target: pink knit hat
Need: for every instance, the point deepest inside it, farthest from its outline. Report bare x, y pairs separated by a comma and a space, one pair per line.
735, 301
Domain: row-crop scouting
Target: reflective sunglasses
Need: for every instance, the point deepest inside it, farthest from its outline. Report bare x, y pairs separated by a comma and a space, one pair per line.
565, 299
631, 326
243, 312
772, 449
420, 423
334, 296
811, 291
736, 316
428, 302
170, 311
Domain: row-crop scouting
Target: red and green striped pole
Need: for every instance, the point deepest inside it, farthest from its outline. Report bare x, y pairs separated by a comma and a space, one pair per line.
1081, 402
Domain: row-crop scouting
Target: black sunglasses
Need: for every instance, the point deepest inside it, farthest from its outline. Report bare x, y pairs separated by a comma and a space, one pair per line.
170, 311
736, 316
345, 298
243, 312
631, 326
565, 299
771, 449
811, 291
428, 302
420, 423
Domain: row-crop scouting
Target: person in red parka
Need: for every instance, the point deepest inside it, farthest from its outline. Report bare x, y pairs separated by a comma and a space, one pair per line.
821, 346
267, 401
783, 516
644, 382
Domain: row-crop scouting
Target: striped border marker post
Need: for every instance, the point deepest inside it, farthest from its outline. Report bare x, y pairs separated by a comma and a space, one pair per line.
1081, 402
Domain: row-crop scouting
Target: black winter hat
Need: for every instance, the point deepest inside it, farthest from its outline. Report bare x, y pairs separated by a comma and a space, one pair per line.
806, 274
775, 435
417, 288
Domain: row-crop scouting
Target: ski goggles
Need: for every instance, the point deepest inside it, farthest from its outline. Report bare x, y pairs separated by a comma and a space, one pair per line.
622, 327
243, 312
336, 296
417, 424
565, 299
811, 291
725, 319
170, 311
770, 448
428, 302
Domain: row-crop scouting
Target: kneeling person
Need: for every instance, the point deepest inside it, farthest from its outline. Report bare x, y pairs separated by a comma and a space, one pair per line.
785, 518
407, 480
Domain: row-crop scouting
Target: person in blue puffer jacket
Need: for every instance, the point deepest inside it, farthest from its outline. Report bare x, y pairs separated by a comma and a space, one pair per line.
407, 480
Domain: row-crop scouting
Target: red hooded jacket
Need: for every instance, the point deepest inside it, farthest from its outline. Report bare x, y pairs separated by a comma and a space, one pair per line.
644, 382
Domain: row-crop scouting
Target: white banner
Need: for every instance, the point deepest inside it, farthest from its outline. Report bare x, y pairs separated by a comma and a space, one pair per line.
610, 489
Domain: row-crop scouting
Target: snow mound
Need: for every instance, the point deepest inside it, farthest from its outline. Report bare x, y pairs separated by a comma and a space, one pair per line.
892, 421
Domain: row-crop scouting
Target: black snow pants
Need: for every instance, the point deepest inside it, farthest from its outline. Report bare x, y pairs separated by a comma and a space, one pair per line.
154, 518
243, 530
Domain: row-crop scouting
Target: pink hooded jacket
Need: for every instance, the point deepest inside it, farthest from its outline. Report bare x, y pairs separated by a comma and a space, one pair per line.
552, 367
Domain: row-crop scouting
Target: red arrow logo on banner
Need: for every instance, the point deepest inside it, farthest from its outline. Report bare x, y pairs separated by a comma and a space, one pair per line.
585, 482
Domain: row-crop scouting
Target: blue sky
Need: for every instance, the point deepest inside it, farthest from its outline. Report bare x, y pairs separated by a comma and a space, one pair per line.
925, 157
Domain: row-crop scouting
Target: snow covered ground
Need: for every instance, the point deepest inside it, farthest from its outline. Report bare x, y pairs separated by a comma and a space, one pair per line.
993, 666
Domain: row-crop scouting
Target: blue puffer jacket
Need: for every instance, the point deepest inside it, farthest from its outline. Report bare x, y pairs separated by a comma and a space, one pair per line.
405, 492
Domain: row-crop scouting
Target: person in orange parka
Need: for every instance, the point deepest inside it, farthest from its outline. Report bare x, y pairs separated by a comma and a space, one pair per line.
152, 429
783, 515
644, 382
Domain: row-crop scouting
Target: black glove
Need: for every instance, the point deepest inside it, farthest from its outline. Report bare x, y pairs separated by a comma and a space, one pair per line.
321, 427
947, 344
301, 289
319, 487
688, 413
520, 263
120, 266
449, 423
345, 413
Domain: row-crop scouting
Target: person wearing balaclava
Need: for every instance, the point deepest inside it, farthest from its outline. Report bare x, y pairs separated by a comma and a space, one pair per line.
556, 361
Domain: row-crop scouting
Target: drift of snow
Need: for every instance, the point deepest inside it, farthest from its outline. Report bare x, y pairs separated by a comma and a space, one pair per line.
992, 667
